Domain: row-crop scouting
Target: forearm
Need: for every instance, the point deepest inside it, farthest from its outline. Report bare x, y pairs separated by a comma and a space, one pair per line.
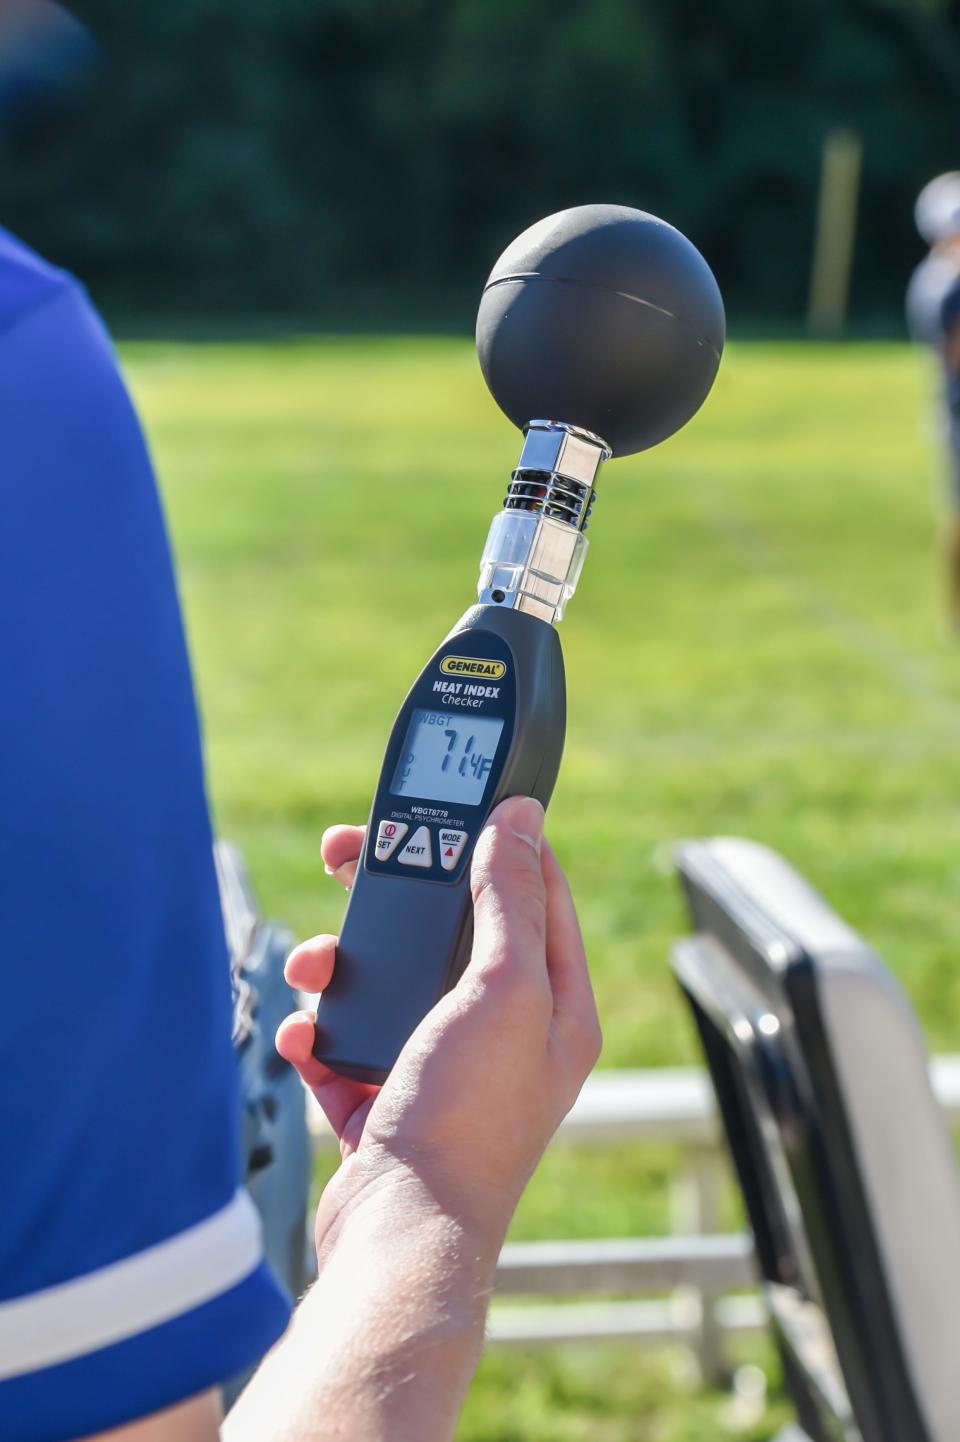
385, 1343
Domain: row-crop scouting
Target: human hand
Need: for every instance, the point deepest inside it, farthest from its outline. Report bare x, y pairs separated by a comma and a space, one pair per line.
484, 1081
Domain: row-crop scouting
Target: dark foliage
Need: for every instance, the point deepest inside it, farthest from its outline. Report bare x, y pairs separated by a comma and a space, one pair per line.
283, 155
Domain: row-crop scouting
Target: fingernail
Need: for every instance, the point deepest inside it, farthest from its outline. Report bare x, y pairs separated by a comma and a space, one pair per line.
329, 870
527, 821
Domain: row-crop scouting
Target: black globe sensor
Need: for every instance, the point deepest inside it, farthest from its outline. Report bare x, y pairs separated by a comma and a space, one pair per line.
604, 317
599, 333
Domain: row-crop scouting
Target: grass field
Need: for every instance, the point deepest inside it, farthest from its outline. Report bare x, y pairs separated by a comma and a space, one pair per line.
756, 648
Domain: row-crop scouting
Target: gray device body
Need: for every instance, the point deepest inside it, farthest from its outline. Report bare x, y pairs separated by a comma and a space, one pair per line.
408, 928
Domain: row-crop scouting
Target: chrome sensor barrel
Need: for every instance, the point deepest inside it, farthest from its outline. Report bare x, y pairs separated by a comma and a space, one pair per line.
536, 545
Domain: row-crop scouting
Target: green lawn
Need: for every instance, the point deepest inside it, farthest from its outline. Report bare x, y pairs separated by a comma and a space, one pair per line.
756, 648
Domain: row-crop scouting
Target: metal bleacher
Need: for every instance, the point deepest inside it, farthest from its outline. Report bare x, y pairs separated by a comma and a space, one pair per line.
847, 1166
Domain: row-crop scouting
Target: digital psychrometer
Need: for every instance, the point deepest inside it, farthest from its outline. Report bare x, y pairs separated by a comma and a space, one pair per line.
610, 323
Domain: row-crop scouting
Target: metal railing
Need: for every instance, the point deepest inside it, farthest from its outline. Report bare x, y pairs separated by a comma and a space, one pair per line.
698, 1267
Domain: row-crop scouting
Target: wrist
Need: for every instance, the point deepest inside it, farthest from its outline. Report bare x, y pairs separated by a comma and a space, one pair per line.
391, 1332
401, 1296
414, 1283
396, 1204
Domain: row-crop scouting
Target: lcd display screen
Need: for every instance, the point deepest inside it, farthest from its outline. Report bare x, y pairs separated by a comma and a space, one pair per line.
447, 757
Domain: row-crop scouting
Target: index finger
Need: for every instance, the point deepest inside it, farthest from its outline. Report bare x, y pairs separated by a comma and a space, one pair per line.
340, 847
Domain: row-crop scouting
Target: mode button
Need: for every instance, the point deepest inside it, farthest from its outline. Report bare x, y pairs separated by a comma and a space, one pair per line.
451, 848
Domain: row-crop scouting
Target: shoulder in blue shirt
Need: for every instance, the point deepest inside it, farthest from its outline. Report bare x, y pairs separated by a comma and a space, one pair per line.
26, 280
131, 1271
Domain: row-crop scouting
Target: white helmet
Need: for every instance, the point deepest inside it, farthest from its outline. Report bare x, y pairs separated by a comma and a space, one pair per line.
937, 211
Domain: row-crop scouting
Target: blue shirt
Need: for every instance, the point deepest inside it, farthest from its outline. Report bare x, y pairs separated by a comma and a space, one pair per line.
131, 1271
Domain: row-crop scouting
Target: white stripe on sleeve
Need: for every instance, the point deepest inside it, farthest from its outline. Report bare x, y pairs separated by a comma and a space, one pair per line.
131, 1296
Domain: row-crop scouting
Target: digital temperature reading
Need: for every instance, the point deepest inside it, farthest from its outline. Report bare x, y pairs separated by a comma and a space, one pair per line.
446, 757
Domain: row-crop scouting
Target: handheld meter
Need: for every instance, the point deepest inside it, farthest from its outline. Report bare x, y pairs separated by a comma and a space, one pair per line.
610, 322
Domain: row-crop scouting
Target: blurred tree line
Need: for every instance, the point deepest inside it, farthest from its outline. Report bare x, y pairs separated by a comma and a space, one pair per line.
285, 155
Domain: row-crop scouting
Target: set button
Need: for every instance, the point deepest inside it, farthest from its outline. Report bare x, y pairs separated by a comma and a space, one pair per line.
389, 836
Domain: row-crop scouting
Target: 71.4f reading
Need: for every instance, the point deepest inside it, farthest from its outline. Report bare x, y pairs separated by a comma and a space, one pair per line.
444, 761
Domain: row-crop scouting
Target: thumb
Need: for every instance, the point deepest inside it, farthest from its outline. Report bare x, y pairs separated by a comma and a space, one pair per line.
509, 901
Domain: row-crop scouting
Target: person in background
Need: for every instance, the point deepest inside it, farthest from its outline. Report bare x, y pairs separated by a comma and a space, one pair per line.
933, 313
132, 1280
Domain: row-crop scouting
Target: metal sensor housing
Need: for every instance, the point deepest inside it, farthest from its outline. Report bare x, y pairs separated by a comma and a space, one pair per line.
536, 546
